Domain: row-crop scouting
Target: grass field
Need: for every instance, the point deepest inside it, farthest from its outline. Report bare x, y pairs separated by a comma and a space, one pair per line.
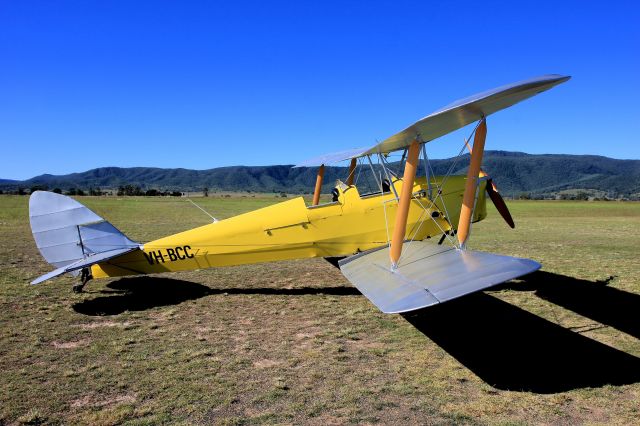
294, 342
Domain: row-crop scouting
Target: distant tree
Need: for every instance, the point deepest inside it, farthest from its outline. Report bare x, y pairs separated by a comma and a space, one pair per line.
76, 191
524, 196
205, 191
1, 191
95, 191
129, 190
152, 193
57, 190
581, 195
176, 194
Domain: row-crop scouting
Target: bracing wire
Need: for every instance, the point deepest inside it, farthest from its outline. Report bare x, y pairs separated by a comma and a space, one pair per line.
439, 194
205, 212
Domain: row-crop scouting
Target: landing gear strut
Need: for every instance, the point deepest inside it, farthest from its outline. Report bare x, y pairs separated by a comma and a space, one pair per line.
85, 277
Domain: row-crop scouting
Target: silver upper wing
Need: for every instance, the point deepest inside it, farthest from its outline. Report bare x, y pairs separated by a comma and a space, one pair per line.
334, 157
452, 117
465, 111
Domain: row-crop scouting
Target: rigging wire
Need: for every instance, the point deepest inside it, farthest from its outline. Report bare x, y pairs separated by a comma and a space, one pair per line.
439, 192
205, 212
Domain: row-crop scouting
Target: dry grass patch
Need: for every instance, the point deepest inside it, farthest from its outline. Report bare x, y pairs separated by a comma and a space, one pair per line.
293, 342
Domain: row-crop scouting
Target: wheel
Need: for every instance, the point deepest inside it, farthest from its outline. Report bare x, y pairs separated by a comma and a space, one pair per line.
85, 277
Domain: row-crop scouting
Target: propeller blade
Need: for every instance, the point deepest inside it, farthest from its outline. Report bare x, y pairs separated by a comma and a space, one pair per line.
498, 201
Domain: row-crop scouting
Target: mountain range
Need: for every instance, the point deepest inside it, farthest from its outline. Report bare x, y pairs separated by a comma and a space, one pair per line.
514, 172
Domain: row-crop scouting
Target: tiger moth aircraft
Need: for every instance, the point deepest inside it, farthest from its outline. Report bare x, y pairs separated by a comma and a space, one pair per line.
404, 245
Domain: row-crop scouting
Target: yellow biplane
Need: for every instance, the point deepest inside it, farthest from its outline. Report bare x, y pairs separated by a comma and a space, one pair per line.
403, 245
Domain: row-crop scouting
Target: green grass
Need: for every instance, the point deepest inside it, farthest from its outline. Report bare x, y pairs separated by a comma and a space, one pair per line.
293, 342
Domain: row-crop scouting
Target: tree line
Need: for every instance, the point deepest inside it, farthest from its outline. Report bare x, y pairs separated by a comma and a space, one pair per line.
133, 190
122, 190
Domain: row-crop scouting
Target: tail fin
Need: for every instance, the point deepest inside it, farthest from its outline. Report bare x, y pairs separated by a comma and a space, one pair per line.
68, 234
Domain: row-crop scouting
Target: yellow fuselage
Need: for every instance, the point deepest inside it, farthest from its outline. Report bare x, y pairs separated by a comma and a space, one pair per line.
292, 230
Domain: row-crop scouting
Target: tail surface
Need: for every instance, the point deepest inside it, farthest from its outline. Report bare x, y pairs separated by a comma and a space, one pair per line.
70, 236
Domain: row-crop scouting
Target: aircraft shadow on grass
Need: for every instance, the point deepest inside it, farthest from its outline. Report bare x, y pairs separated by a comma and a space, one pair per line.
507, 347
592, 299
512, 349
142, 293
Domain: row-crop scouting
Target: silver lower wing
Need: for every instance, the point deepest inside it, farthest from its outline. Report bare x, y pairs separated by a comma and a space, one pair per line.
428, 274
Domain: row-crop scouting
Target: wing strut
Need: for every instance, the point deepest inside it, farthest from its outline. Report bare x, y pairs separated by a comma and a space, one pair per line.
402, 213
469, 198
352, 169
316, 193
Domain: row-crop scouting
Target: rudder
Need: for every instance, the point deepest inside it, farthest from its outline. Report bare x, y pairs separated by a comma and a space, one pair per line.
66, 231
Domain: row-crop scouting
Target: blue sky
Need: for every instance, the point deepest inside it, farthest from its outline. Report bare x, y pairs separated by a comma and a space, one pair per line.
85, 84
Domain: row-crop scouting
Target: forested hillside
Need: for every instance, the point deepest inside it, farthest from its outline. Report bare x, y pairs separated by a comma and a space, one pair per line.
515, 172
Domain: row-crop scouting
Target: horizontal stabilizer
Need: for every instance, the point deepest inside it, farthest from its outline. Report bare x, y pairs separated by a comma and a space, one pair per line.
91, 260
428, 274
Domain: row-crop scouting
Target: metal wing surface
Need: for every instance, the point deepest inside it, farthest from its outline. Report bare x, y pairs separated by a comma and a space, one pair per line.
452, 117
334, 157
428, 274
467, 110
